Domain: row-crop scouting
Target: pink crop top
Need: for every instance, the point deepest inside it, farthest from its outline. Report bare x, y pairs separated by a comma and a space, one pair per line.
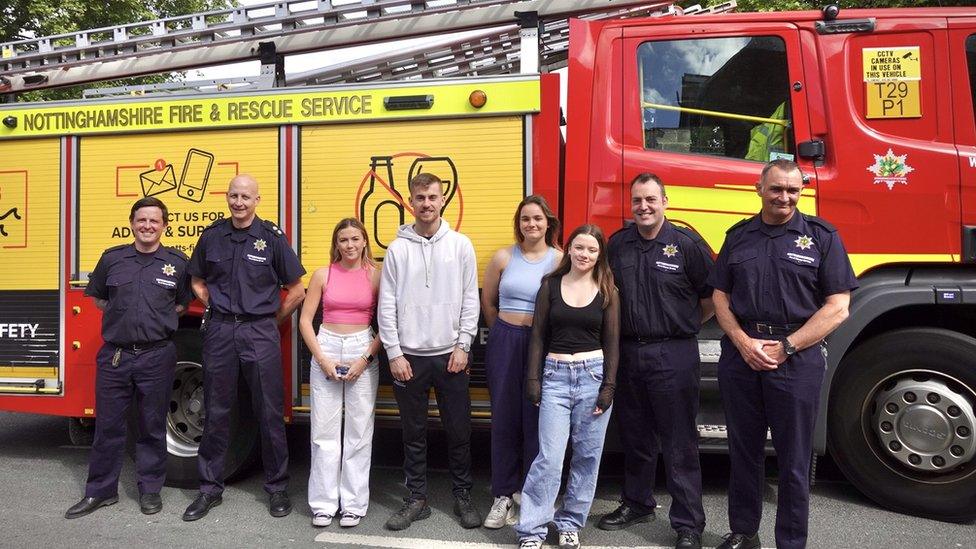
348, 297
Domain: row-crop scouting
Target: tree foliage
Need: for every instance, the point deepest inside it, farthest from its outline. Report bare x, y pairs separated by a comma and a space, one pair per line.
24, 19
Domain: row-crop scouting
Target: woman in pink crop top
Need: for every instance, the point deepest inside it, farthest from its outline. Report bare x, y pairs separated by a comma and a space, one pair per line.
344, 374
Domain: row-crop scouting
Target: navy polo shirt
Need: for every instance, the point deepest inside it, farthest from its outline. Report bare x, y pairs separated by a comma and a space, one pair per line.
661, 281
142, 291
782, 273
245, 268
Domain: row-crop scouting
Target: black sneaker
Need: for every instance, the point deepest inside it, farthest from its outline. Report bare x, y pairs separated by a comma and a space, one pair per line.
412, 510
470, 517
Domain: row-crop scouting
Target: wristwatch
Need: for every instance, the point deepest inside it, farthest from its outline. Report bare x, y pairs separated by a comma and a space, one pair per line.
788, 347
368, 358
466, 347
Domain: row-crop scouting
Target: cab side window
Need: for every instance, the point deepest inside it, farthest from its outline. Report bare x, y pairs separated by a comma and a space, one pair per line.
725, 97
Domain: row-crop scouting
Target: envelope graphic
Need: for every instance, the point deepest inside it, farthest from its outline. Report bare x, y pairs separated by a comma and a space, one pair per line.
158, 182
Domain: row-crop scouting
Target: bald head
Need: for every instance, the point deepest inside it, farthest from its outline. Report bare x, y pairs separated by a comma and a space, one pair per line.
242, 199
244, 181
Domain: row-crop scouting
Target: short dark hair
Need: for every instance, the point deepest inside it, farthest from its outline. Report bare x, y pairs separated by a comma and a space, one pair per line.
781, 164
424, 180
646, 177
149, 202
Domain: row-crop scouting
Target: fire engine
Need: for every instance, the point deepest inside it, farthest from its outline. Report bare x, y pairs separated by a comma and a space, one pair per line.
877, 107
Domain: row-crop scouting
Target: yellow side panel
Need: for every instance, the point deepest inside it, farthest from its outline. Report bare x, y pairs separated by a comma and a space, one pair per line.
710, 211
188, 171
362, 170
30, 200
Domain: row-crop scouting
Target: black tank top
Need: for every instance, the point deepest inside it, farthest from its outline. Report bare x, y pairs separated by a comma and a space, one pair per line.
574, 329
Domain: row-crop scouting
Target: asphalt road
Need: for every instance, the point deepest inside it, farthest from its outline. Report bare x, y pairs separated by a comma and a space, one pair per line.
42, 475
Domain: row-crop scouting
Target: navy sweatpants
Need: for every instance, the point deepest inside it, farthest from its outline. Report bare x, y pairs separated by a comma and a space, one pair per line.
514, 420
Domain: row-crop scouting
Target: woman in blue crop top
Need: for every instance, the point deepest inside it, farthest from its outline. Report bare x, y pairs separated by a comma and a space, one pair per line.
576, 329
511, 282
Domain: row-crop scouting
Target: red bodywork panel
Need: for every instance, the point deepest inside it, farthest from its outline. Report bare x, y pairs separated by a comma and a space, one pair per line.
879, 224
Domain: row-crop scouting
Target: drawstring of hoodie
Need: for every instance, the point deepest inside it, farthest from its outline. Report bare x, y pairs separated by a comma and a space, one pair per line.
428, 247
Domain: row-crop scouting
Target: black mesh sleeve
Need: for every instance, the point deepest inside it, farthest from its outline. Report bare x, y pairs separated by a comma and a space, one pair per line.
537, 344
611, 351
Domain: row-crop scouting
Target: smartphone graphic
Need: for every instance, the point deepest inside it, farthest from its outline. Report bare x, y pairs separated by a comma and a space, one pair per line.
196, 172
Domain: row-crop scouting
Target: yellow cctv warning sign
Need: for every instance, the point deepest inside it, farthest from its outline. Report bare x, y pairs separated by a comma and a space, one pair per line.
887, 64
892, 76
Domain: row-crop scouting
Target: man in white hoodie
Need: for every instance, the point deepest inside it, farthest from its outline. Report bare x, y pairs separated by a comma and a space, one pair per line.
428, 316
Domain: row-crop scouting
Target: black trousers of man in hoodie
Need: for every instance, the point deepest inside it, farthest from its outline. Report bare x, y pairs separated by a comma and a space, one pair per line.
454, 403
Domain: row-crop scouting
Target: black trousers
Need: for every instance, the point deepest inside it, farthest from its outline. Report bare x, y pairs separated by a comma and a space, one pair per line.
454, 403
149, 376
657, 409
251, 349
786, 401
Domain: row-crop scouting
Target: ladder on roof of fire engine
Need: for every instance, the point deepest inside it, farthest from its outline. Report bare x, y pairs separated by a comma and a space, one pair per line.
493, 51
496, 51
224, 36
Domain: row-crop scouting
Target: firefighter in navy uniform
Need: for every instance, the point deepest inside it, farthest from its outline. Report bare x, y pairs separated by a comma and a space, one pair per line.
782, 284
142, 288
661, 271
238, 268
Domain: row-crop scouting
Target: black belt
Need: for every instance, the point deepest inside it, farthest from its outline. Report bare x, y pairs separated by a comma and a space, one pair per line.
136, 348
769, 328
238, 318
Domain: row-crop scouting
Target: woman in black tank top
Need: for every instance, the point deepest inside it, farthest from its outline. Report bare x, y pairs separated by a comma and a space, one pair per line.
572, 367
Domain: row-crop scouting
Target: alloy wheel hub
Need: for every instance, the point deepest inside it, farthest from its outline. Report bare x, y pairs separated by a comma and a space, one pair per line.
925, 425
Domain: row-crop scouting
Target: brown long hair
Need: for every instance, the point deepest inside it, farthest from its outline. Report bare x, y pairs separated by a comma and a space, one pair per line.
552, 230
601, 271
367, 255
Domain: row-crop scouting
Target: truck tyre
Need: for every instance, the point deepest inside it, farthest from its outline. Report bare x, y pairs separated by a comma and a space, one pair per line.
902, 421
184, 420
81, 431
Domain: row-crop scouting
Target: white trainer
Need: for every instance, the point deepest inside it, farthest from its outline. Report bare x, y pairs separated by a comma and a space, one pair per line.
530, 544
569, 540
348, 520
321, 520
502, 513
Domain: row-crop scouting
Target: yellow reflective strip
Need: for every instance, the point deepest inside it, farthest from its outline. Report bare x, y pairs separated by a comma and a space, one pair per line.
865, 262
807, 191
34, 372
29, 389
386, 391
758, 119
710, 211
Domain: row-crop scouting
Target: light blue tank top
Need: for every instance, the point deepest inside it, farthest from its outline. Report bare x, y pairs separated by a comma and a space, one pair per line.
521, 280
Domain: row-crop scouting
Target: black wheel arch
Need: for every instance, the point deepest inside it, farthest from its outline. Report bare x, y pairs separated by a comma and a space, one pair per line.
891, 298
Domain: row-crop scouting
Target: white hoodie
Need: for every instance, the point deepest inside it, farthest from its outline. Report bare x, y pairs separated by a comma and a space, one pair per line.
428, 300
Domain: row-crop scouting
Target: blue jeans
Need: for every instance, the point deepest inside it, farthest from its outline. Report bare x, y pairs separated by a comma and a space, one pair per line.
569, 392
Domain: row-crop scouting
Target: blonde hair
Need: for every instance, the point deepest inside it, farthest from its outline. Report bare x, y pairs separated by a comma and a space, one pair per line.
367, 255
